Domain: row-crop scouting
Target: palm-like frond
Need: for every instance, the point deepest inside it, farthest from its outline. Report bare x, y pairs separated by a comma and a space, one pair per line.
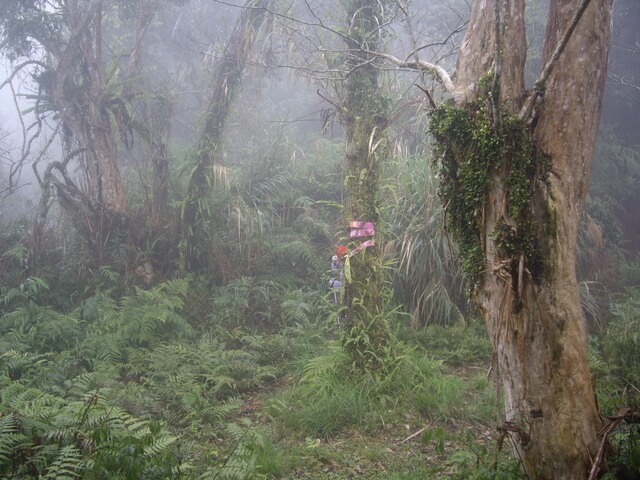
428, 281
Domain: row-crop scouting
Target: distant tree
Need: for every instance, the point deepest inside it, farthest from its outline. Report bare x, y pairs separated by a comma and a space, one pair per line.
82, 94
615, 181
226, 80
7, 167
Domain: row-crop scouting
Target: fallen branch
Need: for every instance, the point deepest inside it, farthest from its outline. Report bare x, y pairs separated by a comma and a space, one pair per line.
599, 458
414, 435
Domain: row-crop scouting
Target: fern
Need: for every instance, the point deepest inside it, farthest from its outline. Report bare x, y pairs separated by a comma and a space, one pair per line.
321, 366
301, 255
99, 309
107, 280
296, 307
24, 416
10, 438
241, 463
14, 364
153, 315
17, 253
67, 466
42, 327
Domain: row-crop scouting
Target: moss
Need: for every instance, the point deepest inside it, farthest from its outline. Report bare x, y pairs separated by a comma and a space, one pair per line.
472, 154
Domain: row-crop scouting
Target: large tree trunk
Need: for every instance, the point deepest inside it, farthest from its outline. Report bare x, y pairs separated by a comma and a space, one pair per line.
530, 302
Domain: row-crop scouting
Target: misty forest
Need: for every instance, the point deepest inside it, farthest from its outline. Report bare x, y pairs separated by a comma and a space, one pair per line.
320, 239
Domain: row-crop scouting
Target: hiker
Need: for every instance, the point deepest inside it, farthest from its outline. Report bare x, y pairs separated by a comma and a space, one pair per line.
337, 270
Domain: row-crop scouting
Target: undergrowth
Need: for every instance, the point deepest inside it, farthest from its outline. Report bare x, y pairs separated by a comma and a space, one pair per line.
136, 387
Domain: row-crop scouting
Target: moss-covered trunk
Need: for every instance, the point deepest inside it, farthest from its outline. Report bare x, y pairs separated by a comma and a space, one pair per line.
514, 193
364, 118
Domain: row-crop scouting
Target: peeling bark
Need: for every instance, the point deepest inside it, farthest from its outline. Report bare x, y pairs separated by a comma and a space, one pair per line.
536, 324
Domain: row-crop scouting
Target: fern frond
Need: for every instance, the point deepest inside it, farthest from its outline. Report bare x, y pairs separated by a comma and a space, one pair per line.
12, 361
152, 315
67, 466
159, 445
99, 309
324, 365
295, 308
10, 437
20, 318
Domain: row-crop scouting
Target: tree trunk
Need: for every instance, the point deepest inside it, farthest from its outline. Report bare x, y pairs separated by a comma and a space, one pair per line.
365, 119
85, 109
224, 87
526, 287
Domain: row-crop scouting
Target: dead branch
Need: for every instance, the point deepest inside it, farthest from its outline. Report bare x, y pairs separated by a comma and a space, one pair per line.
432, 103
614, 421
509, 427
413, 435
440, 73
460, 28
18, 68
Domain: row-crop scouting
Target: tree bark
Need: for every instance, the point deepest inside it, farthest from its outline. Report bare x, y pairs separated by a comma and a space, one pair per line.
533, 313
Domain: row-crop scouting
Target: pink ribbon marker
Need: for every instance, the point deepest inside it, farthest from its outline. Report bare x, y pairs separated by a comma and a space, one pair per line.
368, 243
361, 229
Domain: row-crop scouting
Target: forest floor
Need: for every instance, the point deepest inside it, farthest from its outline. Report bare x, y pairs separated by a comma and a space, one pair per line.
406, 445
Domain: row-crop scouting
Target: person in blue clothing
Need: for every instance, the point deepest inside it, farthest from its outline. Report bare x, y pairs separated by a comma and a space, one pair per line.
337, 271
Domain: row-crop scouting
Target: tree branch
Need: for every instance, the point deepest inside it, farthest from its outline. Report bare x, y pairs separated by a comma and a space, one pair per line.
440, 73
19, 67
539, 86
622, 81
597, 461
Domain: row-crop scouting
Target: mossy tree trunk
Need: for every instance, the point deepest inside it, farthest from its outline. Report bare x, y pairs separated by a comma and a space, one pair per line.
208, 165
515, 186
364, 116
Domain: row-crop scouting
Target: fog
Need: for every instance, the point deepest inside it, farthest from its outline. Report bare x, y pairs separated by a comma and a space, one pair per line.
286, 239
289, 88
